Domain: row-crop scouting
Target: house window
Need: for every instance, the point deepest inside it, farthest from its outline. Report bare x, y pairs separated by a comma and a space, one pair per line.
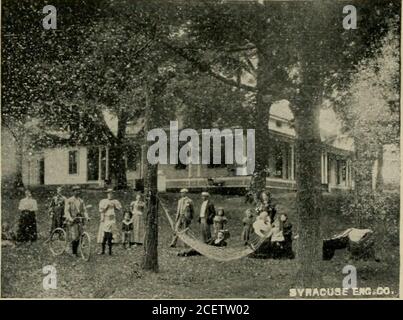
341, 171
276, 166
73, 162
279, 123
131, 159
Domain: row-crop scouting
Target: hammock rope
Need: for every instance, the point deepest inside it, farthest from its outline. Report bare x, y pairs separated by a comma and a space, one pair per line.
212, 252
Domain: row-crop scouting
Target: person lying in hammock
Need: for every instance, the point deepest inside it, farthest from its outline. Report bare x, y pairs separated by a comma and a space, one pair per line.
277, 235
217, 242
262, 226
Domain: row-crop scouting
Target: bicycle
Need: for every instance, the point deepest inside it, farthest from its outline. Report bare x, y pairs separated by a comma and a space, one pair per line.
59, 241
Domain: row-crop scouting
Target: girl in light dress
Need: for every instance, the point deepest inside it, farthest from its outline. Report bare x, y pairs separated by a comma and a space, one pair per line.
108, 231
137, 208
219, 222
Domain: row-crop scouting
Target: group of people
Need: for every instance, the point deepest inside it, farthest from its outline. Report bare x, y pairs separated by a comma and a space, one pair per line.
275, 228
70, 213
263, 221
132, 228
207, 217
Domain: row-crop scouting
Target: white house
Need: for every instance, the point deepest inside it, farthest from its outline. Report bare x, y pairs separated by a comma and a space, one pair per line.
90, 164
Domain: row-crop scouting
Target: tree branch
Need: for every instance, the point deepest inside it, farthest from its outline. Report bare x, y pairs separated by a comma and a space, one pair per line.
204, 67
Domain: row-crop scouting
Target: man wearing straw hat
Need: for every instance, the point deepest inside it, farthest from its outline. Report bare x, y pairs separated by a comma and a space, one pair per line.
207, 213
184, 215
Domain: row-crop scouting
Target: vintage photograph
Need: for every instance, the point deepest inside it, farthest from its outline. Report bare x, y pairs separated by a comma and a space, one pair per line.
200, 149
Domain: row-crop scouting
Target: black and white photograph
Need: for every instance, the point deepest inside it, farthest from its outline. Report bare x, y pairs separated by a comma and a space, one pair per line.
200, 149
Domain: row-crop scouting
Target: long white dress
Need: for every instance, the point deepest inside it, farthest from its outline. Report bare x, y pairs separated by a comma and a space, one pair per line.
137, 208
107, 209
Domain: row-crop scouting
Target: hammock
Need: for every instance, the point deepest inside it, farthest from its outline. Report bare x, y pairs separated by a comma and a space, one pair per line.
212, 252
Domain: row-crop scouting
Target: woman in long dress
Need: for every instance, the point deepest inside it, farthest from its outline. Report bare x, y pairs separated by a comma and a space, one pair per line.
137, 208
108, 232
27, 231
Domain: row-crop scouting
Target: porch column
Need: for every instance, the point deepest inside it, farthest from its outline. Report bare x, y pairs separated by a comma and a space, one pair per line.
325, 160
100, 165
284, 166
198, 169
190, 170
322, 167
107, 163
292, 162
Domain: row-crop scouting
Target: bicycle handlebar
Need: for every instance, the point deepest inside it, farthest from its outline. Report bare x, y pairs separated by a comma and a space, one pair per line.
77, 219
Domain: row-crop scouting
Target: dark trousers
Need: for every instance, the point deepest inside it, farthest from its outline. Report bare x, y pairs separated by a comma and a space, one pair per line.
74, 246
107, 239
57, 220
27, 227
205, 230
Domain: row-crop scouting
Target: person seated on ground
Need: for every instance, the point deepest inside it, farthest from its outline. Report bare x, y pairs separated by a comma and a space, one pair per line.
8, 236
217, 242
287, 233
219, 221
247, 222
220, 240
282, 238
277, 232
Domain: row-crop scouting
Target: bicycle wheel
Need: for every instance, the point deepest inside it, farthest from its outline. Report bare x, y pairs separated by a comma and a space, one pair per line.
85, 246
58, 241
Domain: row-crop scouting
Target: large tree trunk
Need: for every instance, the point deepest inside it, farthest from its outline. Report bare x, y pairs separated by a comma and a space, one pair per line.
262, 115
363, 180
309, 193
363, 167
117, 153
150, 259
379, 176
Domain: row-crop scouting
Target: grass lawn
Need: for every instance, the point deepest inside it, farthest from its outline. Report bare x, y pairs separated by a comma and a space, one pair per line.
120, 275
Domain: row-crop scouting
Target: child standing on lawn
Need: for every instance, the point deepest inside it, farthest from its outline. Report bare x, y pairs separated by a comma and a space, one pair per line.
219, 222
127, 230
247, 222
